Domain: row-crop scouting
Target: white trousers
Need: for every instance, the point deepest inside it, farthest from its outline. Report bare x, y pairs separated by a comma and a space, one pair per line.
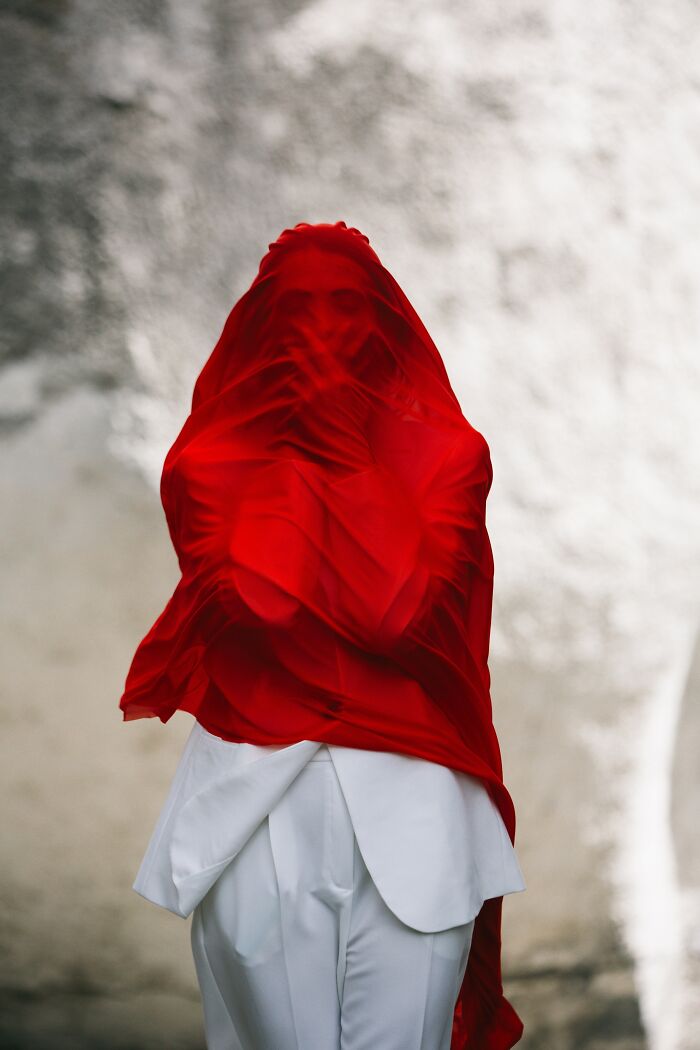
294, 948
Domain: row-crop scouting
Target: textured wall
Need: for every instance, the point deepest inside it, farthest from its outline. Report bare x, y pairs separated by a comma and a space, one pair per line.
530, 173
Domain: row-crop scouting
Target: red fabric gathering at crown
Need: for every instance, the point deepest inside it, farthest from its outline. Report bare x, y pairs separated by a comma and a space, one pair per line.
326, 499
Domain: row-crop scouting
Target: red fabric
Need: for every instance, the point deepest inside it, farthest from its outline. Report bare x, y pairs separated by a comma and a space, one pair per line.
326, 499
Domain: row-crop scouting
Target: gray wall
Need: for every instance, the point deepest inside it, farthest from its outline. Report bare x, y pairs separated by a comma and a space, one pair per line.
530, 174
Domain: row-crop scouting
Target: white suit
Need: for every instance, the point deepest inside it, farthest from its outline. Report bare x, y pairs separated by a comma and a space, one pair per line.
418, 846
432, 838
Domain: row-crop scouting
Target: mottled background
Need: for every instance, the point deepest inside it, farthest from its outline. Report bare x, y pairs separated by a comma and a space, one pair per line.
530, 174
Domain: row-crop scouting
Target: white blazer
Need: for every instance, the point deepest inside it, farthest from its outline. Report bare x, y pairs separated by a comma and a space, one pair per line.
432, 838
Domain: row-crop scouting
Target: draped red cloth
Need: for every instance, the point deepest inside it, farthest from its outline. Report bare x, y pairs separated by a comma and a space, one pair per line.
326, 499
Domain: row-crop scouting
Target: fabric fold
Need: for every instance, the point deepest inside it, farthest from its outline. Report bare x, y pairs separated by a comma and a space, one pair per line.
217, 821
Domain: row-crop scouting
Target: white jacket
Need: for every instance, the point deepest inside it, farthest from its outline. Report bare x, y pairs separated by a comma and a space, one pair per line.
432, 838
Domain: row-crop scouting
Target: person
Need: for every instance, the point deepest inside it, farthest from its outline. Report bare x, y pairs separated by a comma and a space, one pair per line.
338, 825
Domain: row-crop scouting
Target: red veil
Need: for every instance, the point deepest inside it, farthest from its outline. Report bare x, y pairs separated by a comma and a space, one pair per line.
326, 499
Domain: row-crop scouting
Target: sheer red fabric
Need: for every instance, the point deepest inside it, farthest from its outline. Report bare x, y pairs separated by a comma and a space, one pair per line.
326, 499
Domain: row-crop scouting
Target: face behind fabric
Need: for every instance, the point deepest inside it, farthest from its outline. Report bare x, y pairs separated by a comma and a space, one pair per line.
325, 313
